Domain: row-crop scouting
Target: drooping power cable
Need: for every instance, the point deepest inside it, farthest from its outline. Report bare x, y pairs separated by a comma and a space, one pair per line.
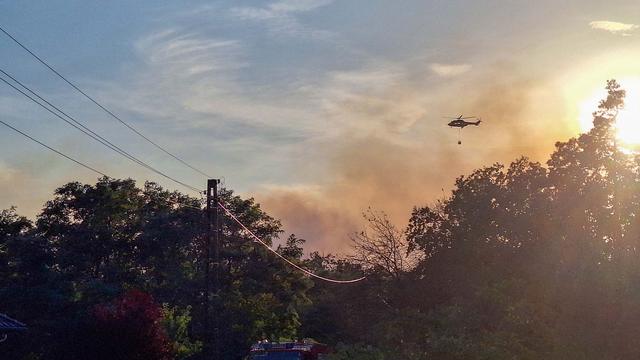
305, 271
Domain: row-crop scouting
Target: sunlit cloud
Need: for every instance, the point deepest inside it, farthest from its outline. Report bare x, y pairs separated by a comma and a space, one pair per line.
449, 70
614, 27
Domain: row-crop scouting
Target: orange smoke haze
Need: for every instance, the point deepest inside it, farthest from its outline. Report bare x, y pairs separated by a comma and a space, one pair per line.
416, 162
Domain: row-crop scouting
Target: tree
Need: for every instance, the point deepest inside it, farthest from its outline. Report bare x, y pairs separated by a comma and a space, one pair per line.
381, 246
176, 321
557, 244
261, 296
92, 243
127, 328
29, 289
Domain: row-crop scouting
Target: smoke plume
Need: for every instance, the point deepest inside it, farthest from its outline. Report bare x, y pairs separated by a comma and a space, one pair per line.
396, 151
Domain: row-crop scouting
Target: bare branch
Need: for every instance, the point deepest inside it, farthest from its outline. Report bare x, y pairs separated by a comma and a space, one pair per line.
381, 246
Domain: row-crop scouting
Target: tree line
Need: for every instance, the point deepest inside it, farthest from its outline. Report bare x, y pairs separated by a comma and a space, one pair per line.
520, 261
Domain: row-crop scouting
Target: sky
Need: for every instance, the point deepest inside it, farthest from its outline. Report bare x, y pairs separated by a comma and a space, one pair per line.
319, 109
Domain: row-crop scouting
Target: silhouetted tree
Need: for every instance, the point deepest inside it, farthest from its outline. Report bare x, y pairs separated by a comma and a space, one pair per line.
381, 247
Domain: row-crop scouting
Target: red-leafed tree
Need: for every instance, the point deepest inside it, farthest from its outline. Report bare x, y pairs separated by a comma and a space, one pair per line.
128, 327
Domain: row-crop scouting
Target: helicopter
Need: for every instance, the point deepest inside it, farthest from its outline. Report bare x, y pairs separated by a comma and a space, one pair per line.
460, 122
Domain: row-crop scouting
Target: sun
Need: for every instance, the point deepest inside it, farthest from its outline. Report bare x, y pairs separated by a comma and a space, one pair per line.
628, 119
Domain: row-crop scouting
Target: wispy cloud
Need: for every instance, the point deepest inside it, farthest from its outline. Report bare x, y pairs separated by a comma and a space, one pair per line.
280, 17
177, 66
449, 70
372, 100
298, 5
193, 82
197, 79
614, 27
188, 54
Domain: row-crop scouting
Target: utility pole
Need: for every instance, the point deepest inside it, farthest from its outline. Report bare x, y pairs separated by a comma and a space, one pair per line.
213, 236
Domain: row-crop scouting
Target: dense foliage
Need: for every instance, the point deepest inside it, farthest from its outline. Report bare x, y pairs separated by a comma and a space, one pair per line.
93, 243
523, 261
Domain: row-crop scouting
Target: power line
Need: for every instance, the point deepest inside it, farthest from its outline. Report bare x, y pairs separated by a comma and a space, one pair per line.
74, 122
263, 243
110, 145
76, 161
52, 149
85, 130
253, 235
88, 131
100, 105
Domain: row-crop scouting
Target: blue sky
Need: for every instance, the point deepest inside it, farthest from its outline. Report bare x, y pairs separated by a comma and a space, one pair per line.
319, 108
